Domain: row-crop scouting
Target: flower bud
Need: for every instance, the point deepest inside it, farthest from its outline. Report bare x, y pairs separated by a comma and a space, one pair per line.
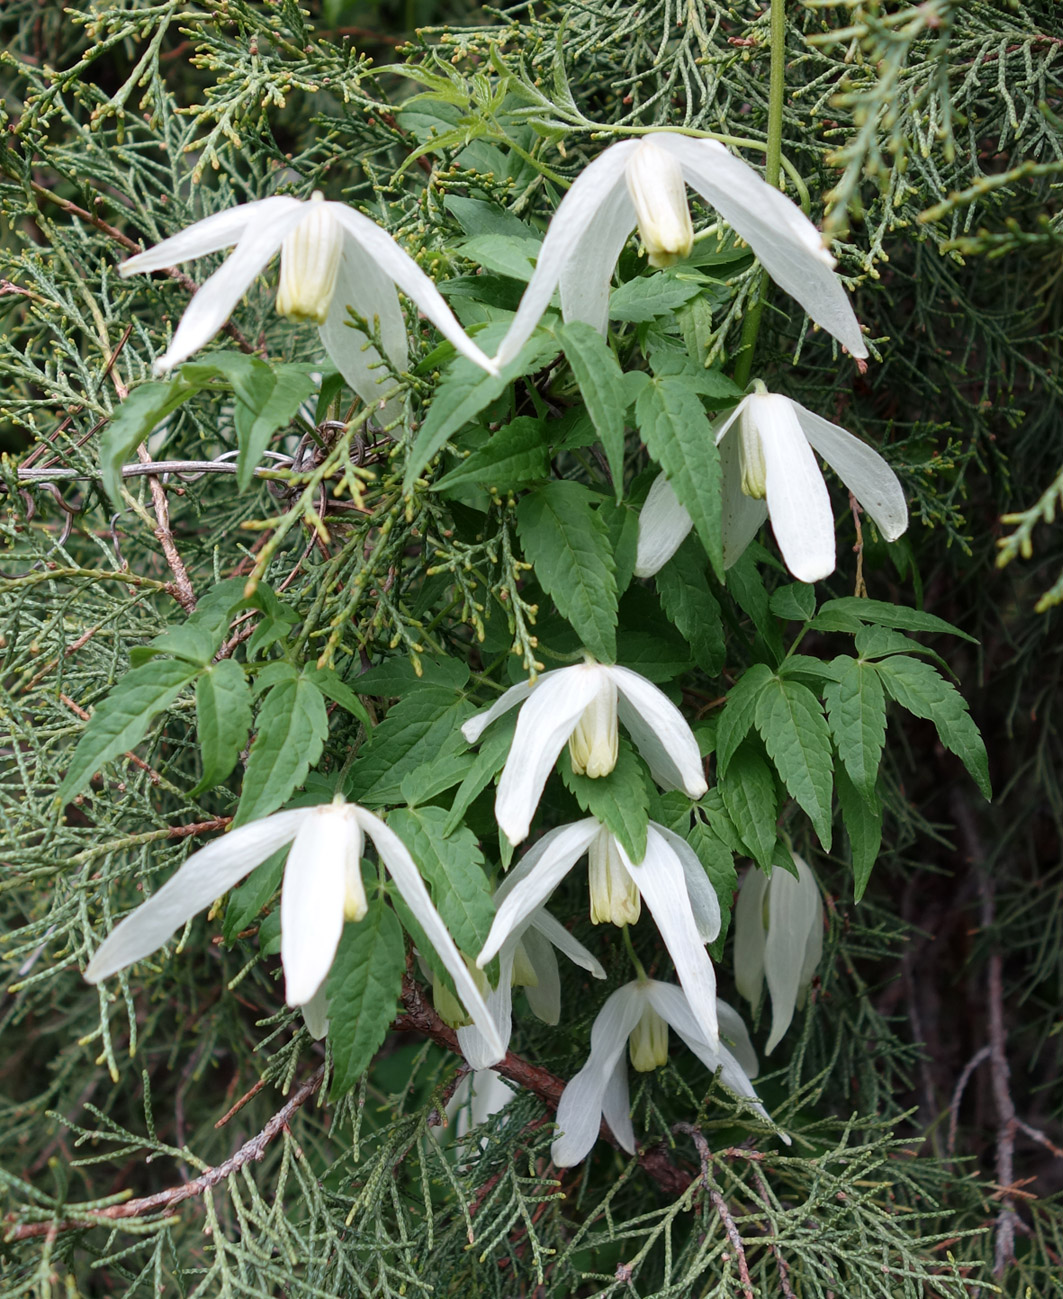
648, 1044
659, 193
593, 743
615, 897
310, 263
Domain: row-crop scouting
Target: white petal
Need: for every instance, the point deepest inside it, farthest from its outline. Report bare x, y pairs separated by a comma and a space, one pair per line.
788, 244
490, 1093
742, 515
556, 934
660, 732
616, 1106
213, 302
475, 726
544, 997
533, 880
576, 215
735, 1037
546, 721
662, 884
361, 284
207, 236
750, 935
587, 274
793, 910
206, 875
396, 857
401, 268
663, 527
315, 883
798, 501
703, 900
861, 469
315, 1015
579, 1112
475, 1047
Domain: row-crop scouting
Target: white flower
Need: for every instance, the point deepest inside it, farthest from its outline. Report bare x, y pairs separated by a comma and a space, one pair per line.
778, 934
480, 1094
332, 258
640, 1011
770, 472
322, 888
670, 878
580, 705
643, 183
526, 959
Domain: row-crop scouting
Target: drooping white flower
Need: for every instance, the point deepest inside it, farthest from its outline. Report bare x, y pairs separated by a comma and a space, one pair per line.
643, 183
579, 706
322, 888
640, 1011
767, 446
480, 1094
332, 258
670, 879
526, 959
778, 936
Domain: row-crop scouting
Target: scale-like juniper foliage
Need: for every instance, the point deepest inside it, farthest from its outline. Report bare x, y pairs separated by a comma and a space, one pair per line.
240, 588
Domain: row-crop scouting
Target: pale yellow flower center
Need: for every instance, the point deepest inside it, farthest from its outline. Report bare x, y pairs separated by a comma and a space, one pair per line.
593, 744
615, 897
648, 1044
659, 193
524, 975
751, 455
310, 263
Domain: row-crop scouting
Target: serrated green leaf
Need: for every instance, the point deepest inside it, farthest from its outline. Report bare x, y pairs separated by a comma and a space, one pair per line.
889, 615
516, 454
415, 732
511, 255
363, 988
795, 602
145, 407
478, 217
746, 587
622, 524
453, 867
863, 825
290, 733
122, 719
738, 712
790, 720
199, 637
719, 864
601, 381
620, 800
568, 544
650, 296
687, 599
917, 686
678, 434
490, 759
274, 407
856, 711
333, 687
748, 794
223, 720
247, 899
398, 676
711, 383
437, 774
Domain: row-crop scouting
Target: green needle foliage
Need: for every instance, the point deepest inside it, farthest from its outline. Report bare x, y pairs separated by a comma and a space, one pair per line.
310, 600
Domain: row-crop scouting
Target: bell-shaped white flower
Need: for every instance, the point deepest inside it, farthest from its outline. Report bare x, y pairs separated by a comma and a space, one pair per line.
526, 959
767, 446
778, 936
670, 879
332, 258
322, 887
642, 183
580, 705
639, 1011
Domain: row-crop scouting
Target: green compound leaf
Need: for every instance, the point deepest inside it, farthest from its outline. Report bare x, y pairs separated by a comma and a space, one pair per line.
620, 799
122, 719
453, 868
363, 988
883, 613
291, 728
601, 381
677, 432
738, 712
416, 733
568, 544
516, 454
790, 720
748, 796
277, 396
917, 686
688, 601
863, 825
223, 720
650, 296
856, 710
